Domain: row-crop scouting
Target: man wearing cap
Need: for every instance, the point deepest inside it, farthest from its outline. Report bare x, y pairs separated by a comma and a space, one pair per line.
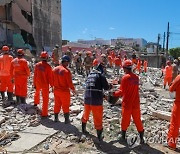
174, 69
20, 72
62, 83
88, 62
55, 55
42, 80
93, 99
129, 91
5, 77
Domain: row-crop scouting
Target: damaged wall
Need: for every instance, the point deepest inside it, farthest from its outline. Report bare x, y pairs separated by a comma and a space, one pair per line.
46, 23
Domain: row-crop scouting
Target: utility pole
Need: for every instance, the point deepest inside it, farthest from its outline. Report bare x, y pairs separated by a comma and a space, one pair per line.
157, 51
167, 41
164, 38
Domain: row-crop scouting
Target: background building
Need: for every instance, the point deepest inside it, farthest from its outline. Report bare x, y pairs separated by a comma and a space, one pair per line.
33, 24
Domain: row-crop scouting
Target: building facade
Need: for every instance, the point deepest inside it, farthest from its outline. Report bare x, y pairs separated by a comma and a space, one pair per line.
33, 24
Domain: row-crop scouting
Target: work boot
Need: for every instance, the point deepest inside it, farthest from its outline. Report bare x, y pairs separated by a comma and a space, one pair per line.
99, 135
66, 116
84, 131
141, 135
2, 96
10, 96
23, 100
56, 119
18, 100
122, 138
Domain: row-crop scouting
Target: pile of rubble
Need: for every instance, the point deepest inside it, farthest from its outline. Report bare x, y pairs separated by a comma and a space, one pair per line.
155, 108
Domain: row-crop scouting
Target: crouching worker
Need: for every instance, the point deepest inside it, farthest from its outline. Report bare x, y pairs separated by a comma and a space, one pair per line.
93, 100
129, 90
62, 82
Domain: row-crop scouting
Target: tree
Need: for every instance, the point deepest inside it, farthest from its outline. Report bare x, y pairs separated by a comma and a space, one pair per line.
175, 52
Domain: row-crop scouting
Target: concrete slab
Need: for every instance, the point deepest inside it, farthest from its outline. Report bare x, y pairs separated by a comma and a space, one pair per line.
32, 136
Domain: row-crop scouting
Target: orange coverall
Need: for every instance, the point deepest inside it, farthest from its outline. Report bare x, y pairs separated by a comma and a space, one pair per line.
138, 67
110, 59
175, 117
42, 80
168, 75
145, 66
118, 62
62, 82
20, 71
129, 90
5, 77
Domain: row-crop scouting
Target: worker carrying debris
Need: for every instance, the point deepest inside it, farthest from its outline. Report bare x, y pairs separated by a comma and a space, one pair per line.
173, 133
62, 83
5, 77
93, 99
20, 72
42, 80
129, 90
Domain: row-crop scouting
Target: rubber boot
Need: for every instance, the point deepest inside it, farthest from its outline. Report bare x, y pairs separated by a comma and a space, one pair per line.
141, 135
10, 96
23, 100
123, 134
56, 119
99, 135
66, 116
2, 95
18, 100
84, 131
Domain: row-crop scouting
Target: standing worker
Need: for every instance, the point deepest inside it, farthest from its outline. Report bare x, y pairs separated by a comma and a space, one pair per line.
42, 80
173, 133
55, 55
93, 100
20, 72
168, 74
145, 64
129, 90
5, 77
174, 69
62, 82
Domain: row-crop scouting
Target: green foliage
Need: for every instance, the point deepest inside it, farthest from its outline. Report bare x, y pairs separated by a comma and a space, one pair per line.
175, 52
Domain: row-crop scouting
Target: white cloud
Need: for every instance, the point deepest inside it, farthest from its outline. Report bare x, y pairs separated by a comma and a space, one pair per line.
111, 28
85, 31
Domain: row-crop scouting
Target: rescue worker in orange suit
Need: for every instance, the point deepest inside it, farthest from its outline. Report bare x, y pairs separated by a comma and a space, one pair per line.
20, 72
118, 64
129, 91
42, 80
145, 64
168, 74
138, 66
175, 116
5, 77
62, 83
93, 99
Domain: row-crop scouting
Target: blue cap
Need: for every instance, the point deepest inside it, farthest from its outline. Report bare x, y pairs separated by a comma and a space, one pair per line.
65, 58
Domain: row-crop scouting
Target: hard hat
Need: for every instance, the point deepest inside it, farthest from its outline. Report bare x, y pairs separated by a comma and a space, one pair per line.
127, 64
65, 58
57, 46
95, 62
20, 52
44, 55
5, 48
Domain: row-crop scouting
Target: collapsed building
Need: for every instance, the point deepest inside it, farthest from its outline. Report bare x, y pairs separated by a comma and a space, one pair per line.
33, 24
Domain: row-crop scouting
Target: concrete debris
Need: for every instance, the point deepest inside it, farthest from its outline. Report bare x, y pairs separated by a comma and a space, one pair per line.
155, 102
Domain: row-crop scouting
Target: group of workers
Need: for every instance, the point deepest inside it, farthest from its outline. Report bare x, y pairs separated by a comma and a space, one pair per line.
15, 73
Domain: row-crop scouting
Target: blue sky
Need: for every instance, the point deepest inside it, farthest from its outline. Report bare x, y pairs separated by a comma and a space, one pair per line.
107, 19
